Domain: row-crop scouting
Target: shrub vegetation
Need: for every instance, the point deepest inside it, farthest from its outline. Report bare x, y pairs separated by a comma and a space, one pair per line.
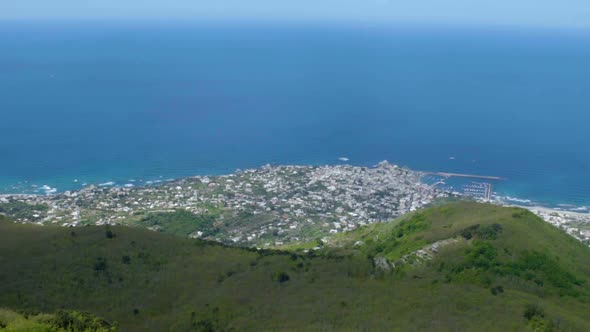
499, 261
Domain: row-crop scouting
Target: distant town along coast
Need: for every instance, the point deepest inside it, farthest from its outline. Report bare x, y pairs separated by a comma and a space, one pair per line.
264, 207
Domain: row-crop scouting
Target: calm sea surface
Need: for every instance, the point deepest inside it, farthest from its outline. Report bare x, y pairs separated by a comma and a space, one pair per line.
101, 102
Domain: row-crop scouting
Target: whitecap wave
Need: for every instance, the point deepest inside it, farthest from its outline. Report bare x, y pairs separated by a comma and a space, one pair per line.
519, 200
48, 190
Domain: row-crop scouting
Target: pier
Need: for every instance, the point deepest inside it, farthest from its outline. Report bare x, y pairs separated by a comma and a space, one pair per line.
481, 190
460, 175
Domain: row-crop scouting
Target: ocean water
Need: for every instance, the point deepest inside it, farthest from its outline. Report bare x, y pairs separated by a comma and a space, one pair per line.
85, 103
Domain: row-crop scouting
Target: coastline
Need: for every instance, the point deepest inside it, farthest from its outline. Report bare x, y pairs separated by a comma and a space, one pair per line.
356, 195
26, 188
265, 206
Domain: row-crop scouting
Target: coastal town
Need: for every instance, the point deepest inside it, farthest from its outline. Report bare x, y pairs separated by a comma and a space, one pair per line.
265, 207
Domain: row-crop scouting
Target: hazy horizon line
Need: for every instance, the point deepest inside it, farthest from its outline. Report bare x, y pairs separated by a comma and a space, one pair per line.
302, 22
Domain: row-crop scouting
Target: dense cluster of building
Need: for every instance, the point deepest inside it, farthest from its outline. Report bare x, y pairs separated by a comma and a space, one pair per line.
265, 206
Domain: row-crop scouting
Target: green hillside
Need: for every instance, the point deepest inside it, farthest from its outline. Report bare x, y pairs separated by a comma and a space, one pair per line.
61, 321
463, 266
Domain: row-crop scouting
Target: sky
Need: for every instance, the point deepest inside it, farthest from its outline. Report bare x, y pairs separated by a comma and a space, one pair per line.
542, 13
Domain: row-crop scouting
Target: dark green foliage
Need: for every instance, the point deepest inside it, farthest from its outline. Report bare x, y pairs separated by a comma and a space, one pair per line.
467, 233
61, 321
520, 213
109, 233
497, 290
485, 232
126, 259
79, 321
532, 311
281, 277
483, 257
480, 256
19, 210
538, 320
204, 325
209, 320
400, 241
182, 222
544, 268
415, 224
100, 265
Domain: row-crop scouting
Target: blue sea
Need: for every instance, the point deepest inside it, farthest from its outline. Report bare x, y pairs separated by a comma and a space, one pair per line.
98, 102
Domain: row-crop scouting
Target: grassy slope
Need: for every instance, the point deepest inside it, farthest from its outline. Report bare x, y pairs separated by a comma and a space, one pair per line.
63, 321
12, 321
521, 230
168, 283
